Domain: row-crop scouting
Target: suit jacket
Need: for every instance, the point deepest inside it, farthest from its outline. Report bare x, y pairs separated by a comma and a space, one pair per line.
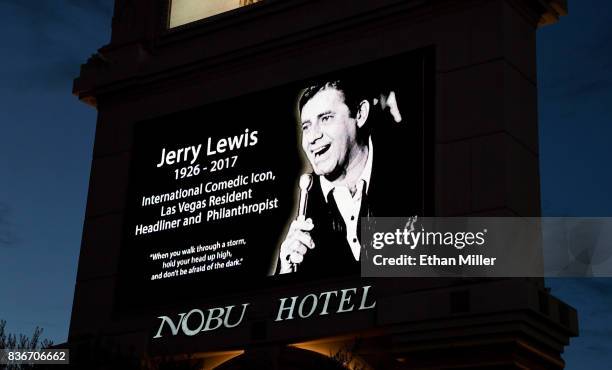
390, 194
396, 189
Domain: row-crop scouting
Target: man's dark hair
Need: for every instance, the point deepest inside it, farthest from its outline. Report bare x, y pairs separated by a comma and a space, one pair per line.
352, 96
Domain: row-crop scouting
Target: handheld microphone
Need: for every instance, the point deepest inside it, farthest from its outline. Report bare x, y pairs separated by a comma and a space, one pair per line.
305, 185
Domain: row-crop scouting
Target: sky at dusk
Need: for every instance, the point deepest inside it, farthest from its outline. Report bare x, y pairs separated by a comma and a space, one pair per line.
46, 140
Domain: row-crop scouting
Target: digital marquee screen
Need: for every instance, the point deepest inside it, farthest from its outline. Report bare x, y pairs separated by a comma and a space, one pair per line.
214, 200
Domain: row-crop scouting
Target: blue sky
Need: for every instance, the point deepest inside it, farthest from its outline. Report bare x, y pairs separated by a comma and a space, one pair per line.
46, 139
575, 111
45, 154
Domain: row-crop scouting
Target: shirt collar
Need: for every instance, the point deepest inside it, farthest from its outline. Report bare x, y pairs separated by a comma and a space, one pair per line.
327, 186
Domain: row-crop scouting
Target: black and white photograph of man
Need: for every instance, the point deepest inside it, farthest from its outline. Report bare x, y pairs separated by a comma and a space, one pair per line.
346, 135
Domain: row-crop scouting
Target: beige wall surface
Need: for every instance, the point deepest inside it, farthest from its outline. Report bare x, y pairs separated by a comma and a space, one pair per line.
186, 11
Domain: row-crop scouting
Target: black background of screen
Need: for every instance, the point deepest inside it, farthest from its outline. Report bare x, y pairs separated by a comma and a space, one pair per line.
272, 113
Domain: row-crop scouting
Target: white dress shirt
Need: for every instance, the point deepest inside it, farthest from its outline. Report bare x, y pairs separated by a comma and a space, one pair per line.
350, 205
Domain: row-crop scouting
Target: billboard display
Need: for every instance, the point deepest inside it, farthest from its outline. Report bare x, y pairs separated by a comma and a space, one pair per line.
270, 188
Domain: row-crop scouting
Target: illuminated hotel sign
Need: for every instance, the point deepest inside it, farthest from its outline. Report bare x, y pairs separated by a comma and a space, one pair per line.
289, 308
214, 196
187, 11
253, 158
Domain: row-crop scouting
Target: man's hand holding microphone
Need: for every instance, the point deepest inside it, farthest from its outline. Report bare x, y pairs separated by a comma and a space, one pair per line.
298, 240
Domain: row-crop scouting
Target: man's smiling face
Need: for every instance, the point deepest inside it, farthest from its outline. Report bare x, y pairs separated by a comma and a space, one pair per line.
329, 134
